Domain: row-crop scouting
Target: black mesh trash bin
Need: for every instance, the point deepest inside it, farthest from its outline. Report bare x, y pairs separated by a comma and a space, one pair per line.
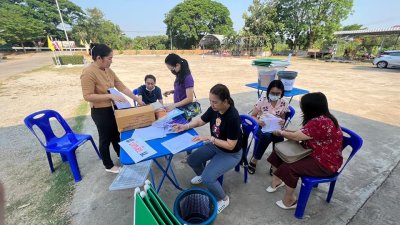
195, 206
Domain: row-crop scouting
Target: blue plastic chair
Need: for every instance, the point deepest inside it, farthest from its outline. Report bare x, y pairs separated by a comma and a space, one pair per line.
65, 145
307, 183
249, 126
289, 116
135, 92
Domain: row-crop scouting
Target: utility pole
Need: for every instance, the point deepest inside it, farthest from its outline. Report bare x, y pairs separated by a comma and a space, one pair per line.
65, 31
170, 35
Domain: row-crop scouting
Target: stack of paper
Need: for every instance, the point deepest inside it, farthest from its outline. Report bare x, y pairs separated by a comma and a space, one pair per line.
271, 123
179, 143
149, 133
120, 105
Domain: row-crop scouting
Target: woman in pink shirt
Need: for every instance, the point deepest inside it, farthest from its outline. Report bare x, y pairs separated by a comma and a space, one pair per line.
271, 104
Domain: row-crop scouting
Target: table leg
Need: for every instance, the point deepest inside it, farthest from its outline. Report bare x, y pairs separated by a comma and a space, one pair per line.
290, 100
173, 180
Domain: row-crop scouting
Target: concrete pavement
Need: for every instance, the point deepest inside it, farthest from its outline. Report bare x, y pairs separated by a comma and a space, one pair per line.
18, 65
366, 192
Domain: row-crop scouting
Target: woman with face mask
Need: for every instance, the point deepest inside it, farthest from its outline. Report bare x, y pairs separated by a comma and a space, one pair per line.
272, 104
184, 83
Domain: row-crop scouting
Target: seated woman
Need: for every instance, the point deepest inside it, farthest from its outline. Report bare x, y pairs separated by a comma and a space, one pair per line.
223, 148
320, 132
272, 104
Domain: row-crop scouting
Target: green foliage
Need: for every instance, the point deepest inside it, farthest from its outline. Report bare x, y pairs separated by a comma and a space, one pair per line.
17, 25
354, 27
190, 20
70, 59
44, 11
262, 21
160, 42
99, 30
306, 21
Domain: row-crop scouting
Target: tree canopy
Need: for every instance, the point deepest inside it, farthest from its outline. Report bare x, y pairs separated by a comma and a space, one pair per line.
190, 20
304, 23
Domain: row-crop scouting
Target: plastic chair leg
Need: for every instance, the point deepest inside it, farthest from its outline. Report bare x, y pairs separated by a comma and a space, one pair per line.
73, 164
63, 157
246, 172
50, 161
237, 167
303, 198
330, 192
95, 147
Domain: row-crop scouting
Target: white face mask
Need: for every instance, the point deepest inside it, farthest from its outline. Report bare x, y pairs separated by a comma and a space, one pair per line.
151, 89
273, 98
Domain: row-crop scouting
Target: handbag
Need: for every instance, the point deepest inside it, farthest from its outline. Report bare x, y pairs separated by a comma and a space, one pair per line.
291, 151
192, 109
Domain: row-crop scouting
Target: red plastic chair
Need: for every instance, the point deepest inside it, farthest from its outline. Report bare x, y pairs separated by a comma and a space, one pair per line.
65, 145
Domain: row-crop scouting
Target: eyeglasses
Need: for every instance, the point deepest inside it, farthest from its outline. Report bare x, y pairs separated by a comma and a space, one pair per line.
171, 68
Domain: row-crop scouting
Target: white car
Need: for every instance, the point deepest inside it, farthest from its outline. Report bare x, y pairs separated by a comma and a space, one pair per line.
388, 59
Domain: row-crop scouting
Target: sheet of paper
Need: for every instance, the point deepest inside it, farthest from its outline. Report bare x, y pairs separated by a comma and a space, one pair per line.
271, 124
120, 105
179, 143
149, 133
157, 105
137, 149
166, 120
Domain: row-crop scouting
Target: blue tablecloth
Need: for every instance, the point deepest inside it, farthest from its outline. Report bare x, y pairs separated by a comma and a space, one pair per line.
293, 92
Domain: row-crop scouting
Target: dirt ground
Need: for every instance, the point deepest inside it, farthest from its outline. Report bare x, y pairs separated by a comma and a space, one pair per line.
357, 89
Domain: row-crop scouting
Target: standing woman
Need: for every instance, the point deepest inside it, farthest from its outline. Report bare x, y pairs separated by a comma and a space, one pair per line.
96, 79
224, 146
184, 83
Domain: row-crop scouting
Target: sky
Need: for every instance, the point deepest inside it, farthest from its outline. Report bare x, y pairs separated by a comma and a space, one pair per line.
142, 18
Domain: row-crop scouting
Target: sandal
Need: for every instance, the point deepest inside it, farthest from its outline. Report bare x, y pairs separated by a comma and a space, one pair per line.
251, 167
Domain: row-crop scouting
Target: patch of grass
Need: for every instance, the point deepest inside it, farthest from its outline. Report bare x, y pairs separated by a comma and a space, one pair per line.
14, 205
53, 204
80, 113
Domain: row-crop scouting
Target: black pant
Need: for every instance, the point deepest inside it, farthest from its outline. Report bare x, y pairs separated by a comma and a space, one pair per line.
108, 133
264, 140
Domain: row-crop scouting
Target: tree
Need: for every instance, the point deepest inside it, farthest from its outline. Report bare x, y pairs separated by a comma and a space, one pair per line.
263, 21
46, 11
354, 27
309, 20
99, 30
190, 20
18, 27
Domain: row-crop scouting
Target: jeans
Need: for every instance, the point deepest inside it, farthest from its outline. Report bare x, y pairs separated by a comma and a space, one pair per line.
108, 133
220, 163
264, 140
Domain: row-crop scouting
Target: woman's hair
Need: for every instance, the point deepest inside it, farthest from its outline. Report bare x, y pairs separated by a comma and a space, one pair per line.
149, 76
314, 105
278, 84
222, 92
101, 50
173, 59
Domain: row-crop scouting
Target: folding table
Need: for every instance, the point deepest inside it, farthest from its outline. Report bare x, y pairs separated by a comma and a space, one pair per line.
161, 152
291, 94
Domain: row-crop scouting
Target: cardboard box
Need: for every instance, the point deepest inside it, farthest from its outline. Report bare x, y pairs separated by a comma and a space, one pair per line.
132, 118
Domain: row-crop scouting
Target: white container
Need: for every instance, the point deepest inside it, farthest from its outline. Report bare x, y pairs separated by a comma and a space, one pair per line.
288, 84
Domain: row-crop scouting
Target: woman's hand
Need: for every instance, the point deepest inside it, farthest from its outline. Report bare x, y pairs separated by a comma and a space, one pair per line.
141, 103
117, 98
170, 107
167, 93
176, 127
261, 123
202, 138
277, 133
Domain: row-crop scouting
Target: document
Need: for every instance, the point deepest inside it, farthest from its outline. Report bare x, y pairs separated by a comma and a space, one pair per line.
166, 120
179, 143
149, 133
120, 105
271, 123
137, 149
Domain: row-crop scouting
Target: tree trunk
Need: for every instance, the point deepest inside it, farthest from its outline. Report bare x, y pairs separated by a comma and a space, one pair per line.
23, 47
311, 37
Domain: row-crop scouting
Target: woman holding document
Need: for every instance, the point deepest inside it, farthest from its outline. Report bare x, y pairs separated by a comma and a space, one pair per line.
96, 79
271, 109
223, 149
